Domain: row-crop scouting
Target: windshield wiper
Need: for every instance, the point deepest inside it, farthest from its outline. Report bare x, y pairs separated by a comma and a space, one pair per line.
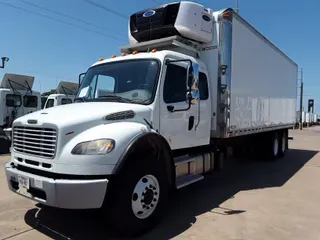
80, 98
116, 97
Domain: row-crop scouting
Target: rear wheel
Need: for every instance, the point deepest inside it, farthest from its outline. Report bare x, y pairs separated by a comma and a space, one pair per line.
136, 199
273, 146
283, 144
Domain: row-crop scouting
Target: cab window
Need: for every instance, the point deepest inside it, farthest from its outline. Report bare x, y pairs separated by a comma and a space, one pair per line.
50, 103
65, 101
13, 100
30, 101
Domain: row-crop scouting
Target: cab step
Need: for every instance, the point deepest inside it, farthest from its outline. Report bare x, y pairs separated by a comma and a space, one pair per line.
187, 180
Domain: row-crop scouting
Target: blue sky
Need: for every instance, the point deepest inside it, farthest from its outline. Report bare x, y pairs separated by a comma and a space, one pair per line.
53, 51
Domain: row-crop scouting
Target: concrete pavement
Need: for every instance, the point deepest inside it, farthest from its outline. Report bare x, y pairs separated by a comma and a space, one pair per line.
249, 199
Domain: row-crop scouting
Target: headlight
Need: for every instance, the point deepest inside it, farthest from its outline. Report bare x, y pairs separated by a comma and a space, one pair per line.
94, 147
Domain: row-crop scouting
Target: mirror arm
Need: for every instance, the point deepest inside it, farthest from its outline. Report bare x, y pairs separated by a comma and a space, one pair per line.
171, 108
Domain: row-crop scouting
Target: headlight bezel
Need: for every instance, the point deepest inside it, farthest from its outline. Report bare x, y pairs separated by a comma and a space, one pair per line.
83, 148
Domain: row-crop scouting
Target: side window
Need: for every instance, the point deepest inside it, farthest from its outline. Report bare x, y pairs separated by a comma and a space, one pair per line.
65, 101
175, 84
13, 100
203, 86
30, 101
50, 103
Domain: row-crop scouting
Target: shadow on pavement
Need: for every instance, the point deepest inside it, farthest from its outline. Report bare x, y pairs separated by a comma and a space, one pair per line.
187, 204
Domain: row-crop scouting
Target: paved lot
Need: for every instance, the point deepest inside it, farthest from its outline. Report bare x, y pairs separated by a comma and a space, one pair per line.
250, 199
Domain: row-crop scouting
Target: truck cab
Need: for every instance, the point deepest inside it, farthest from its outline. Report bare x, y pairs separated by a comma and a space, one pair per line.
56, 99
64, 94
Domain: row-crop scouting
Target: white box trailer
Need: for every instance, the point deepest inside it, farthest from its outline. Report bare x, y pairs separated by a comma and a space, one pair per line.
308, 120
265, 94
315, 118
304, 121
193, 83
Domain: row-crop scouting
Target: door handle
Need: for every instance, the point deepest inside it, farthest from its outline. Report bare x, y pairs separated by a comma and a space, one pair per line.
191, 122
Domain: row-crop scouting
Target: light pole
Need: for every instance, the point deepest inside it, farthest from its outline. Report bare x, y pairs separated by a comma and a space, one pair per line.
301, 98
4, 60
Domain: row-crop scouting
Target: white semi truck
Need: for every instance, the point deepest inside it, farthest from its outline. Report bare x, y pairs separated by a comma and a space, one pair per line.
192, 82
64, 94
16, 99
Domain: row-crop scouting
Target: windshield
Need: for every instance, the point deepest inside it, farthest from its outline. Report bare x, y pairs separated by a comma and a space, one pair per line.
131, 81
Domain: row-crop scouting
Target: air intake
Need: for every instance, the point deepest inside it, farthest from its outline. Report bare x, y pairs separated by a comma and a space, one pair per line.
120, 115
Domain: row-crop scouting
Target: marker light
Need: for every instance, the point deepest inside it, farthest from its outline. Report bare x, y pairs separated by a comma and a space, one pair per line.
101, 59
154, 50
226, 15
124, 54
113, 56
135, 52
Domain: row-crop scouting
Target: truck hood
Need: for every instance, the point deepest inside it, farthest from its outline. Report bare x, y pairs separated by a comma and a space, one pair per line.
88, 113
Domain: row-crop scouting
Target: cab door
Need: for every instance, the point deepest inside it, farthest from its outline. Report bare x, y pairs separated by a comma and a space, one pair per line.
177, 117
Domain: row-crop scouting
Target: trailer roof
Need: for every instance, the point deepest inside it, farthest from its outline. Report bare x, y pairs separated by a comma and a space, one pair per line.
69, 88
17, 81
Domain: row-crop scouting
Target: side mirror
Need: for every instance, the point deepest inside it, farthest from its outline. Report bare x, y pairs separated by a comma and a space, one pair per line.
192, 83
81, 76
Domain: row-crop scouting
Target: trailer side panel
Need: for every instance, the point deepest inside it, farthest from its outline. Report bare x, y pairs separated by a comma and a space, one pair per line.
263, 82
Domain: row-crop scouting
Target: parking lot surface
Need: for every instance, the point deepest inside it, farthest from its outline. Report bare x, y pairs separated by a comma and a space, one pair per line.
249, 199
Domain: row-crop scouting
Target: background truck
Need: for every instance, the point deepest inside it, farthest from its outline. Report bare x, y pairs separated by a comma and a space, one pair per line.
65, 94
157, 118
16, 99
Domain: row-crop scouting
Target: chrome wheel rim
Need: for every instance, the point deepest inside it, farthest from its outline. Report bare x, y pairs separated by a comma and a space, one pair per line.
145, 196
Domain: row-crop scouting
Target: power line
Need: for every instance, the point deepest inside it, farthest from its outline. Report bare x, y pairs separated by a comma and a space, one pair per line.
70, 17
107, 9
61, 21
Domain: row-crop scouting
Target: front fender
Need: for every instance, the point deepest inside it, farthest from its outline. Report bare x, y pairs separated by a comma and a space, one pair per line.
121, 132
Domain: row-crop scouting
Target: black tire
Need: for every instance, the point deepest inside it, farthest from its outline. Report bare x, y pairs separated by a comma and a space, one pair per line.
273, 144
118, 203
5, 144
283, 144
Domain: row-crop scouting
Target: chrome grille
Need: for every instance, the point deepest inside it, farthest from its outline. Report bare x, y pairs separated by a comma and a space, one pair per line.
35, 141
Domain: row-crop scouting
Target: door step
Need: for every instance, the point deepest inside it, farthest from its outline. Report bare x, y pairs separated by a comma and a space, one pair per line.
187, 180
184, 159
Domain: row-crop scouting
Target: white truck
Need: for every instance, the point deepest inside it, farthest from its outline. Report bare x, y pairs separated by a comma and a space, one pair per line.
154, 119
64, 94
16, 99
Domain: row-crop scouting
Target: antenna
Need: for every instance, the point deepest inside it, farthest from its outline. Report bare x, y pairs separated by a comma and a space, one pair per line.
237, 7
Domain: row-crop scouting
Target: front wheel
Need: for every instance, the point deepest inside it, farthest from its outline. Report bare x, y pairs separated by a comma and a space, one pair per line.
137, 198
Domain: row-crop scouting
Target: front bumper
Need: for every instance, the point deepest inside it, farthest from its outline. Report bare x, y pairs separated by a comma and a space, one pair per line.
60, 193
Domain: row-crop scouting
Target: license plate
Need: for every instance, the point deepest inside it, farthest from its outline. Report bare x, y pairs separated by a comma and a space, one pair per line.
24, 182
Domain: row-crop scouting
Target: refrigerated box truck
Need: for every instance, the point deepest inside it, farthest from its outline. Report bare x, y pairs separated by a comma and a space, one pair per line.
192, 82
